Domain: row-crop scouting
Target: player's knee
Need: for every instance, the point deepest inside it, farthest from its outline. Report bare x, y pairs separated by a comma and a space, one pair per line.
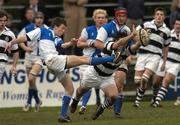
70, 91
113, 97
144, 81
137, 80
31, 79
120, 87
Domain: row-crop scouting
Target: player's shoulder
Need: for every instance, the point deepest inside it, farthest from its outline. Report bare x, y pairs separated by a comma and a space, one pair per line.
8, 32
127, 29
30, 27
91, 28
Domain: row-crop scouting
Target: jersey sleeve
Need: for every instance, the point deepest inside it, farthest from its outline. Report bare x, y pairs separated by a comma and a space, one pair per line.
34, 34
84, 34
22, 32
102, 34
58, 42
15, 46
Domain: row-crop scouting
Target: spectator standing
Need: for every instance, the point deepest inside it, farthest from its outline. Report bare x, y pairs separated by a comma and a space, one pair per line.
1, 4
28, 17
35, 5
175, 11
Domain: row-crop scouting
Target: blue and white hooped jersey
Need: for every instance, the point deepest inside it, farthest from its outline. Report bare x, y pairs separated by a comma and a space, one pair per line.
89, 34
46, 41
109, 31
32, 44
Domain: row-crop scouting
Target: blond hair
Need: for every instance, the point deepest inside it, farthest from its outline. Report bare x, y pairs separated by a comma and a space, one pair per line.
174, 5
99, 11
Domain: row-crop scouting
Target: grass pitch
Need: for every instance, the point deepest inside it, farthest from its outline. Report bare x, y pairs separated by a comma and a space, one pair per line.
145, 115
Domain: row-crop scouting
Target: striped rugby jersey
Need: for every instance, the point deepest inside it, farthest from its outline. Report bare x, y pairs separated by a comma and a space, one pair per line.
6, 36
174, 48
107, 34
159, 38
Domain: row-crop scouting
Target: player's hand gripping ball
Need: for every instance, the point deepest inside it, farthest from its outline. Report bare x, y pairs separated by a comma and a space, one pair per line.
143, 37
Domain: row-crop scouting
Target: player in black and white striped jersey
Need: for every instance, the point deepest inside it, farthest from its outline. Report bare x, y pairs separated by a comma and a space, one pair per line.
148, 57
6, 35
171, 67
102, 75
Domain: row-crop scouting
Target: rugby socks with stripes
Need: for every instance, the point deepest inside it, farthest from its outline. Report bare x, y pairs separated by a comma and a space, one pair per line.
155, 89
107, 103
160, 95
139, 95
118, 104
65, 104
85, 98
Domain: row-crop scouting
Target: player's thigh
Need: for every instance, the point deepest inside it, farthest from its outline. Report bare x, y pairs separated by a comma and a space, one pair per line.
90, 78
110, 90
56, 63
153, 62
141, 62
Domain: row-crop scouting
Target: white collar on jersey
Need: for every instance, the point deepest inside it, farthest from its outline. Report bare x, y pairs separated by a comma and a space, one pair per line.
173, 33
163, 26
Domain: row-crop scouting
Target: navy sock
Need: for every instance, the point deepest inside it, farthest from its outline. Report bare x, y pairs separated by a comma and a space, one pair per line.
118, 104
35, 94
101, 60
65, 104
85, 98
98, 99
30, 95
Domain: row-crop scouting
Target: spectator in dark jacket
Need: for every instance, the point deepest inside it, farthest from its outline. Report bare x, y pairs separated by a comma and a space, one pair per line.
28, 17
175, 12
36, 6
135, 10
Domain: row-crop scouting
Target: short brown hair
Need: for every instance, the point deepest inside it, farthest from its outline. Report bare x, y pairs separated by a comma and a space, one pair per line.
160, 9
3, 13
57, 21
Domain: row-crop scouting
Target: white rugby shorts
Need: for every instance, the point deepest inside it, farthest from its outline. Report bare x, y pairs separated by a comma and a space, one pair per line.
92, 79
147, 61
56, 64
170, 67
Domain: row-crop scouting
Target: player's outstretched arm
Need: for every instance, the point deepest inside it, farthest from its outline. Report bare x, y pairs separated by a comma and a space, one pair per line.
18, 40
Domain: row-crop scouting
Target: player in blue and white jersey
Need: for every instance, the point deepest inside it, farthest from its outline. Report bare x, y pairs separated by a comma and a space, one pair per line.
57, 64
33, 62
88, 35
107, 33
102, 75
